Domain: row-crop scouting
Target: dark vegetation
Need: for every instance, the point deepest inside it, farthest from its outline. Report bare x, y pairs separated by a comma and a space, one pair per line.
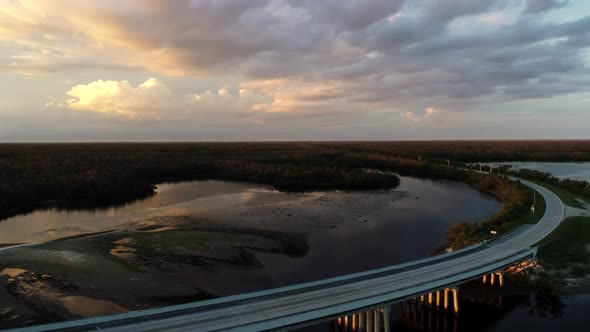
99, 174
476, 151
546, 284
568, 244
82, 175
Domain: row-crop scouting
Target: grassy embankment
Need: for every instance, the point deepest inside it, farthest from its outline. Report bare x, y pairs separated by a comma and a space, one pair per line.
567, 248
567, 197
571, 192
526, 217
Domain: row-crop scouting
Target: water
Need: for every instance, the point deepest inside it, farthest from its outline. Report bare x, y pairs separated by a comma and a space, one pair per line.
369, 229
574, 318
347, 232
51, 224
574, 171
493, 314
406, 229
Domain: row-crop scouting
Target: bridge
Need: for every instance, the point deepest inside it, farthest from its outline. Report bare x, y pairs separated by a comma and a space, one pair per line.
358, 301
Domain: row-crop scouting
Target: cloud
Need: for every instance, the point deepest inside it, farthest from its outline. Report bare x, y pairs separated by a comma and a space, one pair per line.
538, 6
429, 113
153, 100
411, 116
306, 57
121, 98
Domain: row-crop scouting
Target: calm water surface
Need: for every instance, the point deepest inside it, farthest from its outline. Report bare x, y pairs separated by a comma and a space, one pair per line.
380, 228
574, 171
55, 223
514, 314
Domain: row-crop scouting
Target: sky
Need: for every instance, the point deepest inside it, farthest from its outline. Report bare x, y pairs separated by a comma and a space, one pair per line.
230, 70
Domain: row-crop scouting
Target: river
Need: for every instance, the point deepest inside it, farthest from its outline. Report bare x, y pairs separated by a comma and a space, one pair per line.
346, 232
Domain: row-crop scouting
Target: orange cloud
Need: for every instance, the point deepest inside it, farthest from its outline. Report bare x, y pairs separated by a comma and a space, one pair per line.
429, 113
153, 99
121, 98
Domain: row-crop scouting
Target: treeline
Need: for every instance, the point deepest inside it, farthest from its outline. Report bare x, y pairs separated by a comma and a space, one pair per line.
475, 151
579, 187
71, 175
92, 175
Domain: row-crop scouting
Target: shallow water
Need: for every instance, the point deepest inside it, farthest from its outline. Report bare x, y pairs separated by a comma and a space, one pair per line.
51, 224
574, 171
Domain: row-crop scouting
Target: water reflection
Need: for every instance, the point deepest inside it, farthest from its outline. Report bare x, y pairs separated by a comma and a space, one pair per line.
482, 309
56, 223
439, 200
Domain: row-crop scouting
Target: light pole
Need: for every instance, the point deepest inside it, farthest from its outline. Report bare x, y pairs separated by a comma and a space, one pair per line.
534, 202
493, 233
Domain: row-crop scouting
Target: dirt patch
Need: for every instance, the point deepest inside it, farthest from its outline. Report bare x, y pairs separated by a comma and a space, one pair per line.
40, 291
51, 298
86, 307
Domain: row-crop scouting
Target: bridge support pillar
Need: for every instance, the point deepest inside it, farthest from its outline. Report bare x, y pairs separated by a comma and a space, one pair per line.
492, 279
386, 322
354, 323
485, 277
430, 299
369, 320
362, 317
456, 300
446, 299
500, 278
438, 299
421, 299
377, 313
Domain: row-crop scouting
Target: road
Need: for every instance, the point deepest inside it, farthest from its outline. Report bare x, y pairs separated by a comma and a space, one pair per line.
289, 306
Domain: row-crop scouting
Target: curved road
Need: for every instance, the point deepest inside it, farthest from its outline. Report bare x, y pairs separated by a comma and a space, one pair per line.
327, 299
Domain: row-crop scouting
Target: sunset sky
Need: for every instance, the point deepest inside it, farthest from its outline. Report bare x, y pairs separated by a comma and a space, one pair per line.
227, 70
